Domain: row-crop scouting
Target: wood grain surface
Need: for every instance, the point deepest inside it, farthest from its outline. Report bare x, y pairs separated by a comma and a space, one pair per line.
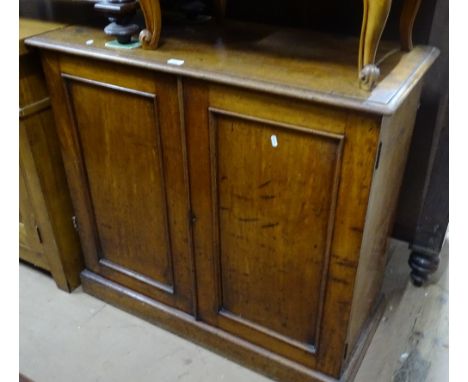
47, 236
31, 27
296, 63
122, 151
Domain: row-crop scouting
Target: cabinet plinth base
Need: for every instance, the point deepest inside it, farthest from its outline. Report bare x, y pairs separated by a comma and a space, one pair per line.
234, 348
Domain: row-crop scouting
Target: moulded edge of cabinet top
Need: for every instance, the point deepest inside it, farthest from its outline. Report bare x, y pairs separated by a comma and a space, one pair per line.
289, 62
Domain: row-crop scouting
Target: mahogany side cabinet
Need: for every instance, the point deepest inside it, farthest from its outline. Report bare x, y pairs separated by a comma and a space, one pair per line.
236, 186
47, 238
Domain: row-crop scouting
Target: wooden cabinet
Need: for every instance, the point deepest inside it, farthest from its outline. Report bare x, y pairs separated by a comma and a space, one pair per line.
47, 237
243, 199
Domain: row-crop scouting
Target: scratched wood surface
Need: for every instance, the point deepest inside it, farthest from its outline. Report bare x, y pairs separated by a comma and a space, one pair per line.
395, 138
102, 150
253, 221
292, 62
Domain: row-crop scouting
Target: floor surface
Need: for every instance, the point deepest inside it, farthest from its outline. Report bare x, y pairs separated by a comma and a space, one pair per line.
75, 337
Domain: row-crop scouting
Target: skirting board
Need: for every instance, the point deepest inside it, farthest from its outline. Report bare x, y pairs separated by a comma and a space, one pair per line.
239, 350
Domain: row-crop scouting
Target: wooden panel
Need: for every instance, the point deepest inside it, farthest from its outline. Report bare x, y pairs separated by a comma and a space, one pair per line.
51, 198
282, 110
274, 192
32, 86
44, 177
122, 148
395, 138
359, 155
28, 237
31, 249
122, 157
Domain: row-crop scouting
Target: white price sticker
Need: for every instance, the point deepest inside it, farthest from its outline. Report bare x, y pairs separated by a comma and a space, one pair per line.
175, 61
274, 141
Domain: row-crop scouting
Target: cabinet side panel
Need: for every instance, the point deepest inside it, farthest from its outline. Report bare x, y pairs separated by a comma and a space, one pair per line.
395, 138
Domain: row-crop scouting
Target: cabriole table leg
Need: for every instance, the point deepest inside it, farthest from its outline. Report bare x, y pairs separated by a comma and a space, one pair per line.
373, 23
408, 15
149, 36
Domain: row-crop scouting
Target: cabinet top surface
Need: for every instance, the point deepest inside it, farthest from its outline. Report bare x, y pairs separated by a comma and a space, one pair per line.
289, 62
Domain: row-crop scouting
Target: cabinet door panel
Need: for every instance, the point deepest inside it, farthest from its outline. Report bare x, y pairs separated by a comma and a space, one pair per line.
123, 153
274, 188
122, 156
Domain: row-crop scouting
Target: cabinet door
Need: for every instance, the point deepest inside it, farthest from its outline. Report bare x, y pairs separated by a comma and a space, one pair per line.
120, 129
274, 177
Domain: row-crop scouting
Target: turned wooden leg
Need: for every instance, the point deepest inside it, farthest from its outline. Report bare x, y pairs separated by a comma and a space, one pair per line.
408, 15
433, 219
120, 14
422, 264
149, 36
220, 8
373, 23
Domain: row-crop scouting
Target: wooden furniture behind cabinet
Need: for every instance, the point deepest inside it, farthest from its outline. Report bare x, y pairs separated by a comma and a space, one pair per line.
243, 197
47, 237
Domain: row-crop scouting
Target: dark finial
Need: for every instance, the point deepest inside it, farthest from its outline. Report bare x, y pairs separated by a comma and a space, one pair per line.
120, 13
